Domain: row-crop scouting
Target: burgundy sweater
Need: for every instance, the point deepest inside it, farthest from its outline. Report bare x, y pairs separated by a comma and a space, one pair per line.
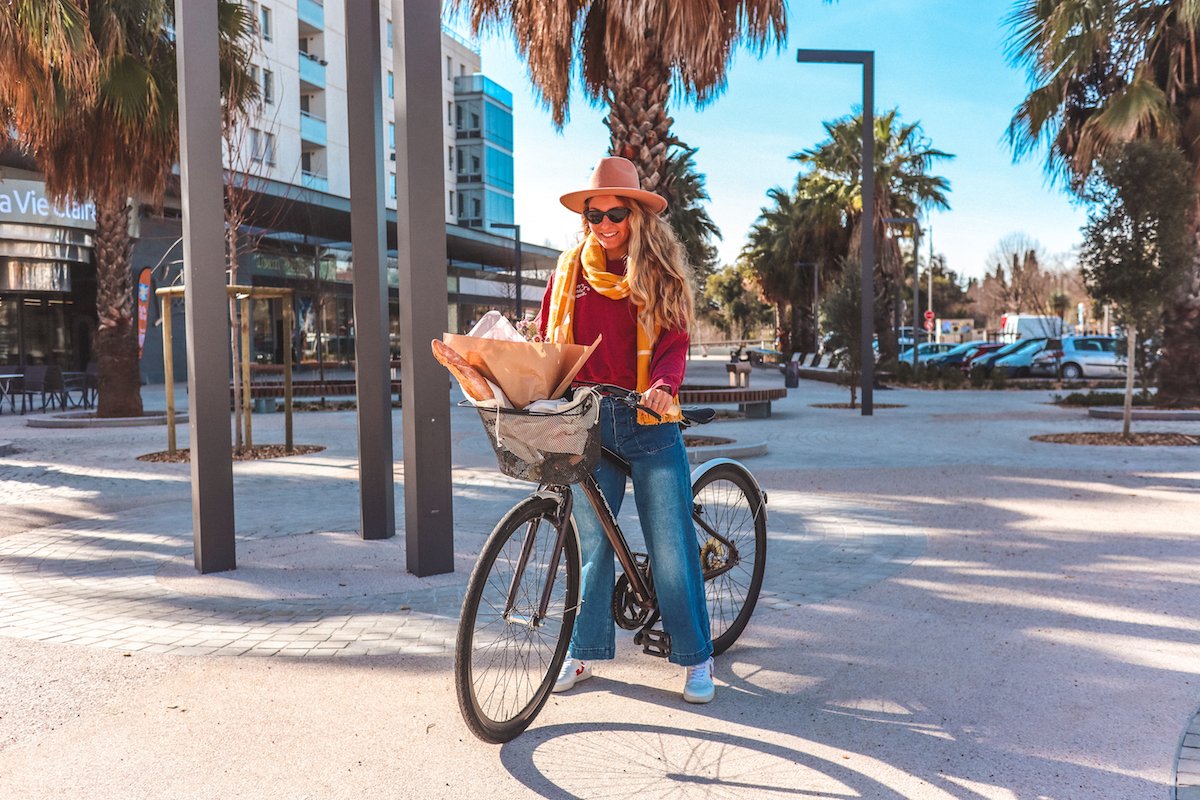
615, 360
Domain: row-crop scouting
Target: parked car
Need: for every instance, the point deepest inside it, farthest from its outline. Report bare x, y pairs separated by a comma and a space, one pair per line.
981, 351
988, 360
1081, 357
1018, 363
925, 351
956, 355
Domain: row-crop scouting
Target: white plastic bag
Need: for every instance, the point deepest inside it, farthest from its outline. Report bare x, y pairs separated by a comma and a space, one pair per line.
494, 325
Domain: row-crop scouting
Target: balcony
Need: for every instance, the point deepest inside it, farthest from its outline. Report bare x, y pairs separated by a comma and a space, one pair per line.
311, 180
312, 14
312, 129
312, 71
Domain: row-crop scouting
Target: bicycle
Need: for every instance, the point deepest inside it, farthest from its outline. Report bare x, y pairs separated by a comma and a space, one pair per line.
519, 609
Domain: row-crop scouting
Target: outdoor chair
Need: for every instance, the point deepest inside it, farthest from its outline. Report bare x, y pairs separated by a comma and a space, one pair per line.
46, 381
79, 388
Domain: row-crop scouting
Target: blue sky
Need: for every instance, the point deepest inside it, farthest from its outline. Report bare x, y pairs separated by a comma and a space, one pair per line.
941, 62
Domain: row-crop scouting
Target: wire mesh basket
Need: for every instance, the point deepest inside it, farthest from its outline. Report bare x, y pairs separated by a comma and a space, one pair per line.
559, 448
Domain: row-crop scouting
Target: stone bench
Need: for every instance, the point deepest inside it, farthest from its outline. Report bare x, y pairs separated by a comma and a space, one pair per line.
752, 402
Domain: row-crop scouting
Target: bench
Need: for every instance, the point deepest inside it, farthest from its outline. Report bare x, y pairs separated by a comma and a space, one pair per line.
266, 389
739, 373
754, 403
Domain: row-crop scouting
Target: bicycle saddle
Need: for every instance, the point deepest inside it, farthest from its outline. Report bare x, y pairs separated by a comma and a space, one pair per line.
698, 416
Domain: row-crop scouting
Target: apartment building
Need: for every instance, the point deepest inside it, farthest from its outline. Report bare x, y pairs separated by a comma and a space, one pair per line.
294, 152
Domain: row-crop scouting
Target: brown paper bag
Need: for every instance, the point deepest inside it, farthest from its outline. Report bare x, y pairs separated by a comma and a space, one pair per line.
525, 371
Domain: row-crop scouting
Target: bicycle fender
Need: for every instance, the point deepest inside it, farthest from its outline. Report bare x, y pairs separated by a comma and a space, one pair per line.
715, 462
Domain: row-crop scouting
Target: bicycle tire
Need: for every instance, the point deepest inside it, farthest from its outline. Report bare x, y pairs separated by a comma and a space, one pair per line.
504, 668
730, 501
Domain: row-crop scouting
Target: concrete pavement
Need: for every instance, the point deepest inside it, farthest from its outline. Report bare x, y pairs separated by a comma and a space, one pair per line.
950, 610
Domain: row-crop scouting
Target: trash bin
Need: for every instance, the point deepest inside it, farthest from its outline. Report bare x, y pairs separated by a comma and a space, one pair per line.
791, 374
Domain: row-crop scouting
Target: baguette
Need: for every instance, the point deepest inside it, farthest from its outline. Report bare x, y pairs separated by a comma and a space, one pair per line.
473, 384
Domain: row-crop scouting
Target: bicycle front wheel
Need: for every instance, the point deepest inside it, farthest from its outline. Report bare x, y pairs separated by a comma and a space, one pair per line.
507, 655
730, 517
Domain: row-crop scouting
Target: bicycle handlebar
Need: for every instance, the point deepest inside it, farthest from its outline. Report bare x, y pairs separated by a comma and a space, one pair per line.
626, 396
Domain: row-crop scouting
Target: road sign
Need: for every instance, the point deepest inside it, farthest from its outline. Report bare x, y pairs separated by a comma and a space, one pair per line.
928, 316
928, 324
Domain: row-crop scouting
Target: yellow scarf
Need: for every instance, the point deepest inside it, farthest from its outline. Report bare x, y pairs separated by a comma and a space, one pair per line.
591, 258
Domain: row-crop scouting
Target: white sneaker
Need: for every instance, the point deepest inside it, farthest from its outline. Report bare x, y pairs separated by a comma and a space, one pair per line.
573, 671
698, 683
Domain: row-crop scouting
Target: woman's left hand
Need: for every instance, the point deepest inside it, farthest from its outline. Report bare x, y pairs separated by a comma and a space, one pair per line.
658, 400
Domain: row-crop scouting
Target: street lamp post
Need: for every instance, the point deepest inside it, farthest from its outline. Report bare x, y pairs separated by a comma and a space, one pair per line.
516, 229
865, 58
916, 276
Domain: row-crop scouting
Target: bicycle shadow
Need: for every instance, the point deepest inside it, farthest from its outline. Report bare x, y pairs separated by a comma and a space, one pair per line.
620, 759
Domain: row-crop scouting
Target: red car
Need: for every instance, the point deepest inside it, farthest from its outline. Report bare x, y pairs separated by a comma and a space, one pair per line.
984, 349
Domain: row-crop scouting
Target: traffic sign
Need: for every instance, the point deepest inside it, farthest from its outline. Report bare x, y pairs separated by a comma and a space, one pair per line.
928, 316
928, 324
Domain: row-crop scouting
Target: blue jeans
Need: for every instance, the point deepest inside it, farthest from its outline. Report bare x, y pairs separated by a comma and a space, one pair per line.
662, 490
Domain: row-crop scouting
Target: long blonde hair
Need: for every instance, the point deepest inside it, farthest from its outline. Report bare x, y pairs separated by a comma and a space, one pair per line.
657, 270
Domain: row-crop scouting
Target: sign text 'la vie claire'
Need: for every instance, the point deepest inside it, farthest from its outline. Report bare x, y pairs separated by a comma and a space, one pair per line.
26, 201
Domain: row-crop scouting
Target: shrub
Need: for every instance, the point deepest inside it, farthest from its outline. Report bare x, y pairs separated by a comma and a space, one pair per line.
1000, 378
953, 378
1094, 398
978, 377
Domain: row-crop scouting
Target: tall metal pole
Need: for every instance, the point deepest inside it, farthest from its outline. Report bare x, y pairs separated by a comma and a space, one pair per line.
421, 251
866, 58
868, 236
198, 68
916, 288
368, 235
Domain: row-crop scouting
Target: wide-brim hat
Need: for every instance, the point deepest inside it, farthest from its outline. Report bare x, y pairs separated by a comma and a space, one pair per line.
618, 177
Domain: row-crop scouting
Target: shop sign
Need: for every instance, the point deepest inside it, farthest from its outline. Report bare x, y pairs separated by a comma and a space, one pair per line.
26, 201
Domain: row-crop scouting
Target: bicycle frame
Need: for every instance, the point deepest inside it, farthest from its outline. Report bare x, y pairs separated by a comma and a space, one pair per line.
612, 531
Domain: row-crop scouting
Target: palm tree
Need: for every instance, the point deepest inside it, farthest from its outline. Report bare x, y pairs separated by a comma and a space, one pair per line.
1105, 72
904, 186
631, 54
684, 189
96, 105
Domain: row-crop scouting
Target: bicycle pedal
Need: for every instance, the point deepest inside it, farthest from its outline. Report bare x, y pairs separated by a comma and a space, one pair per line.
655, 642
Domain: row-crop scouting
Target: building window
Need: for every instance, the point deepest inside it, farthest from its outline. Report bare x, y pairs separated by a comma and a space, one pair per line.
451, 202
389, 33
392, 135
450, 157
462, 70
450, 113
391, 84
264, 22
262, 147
449, 69
392, 185
268, 87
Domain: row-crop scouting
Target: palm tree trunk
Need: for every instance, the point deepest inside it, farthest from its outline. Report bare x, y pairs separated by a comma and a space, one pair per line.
638, 124
1179, 372
119, 378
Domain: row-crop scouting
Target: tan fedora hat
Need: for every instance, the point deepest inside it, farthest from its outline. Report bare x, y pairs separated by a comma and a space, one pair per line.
618, 177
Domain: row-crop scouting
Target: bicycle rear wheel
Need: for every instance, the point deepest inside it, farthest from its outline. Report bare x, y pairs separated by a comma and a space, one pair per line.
727, 500
505, 663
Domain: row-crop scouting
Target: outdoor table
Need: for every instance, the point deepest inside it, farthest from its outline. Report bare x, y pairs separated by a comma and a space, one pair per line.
6, 391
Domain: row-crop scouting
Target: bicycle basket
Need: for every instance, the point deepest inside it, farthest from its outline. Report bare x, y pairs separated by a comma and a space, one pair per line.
560, 447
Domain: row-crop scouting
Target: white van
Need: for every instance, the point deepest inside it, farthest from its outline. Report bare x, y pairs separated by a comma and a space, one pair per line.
1031, 326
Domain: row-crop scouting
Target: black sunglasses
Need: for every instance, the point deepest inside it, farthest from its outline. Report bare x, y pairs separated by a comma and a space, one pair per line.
596, 216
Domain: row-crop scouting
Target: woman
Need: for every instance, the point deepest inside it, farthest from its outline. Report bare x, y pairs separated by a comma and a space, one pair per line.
628, 282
